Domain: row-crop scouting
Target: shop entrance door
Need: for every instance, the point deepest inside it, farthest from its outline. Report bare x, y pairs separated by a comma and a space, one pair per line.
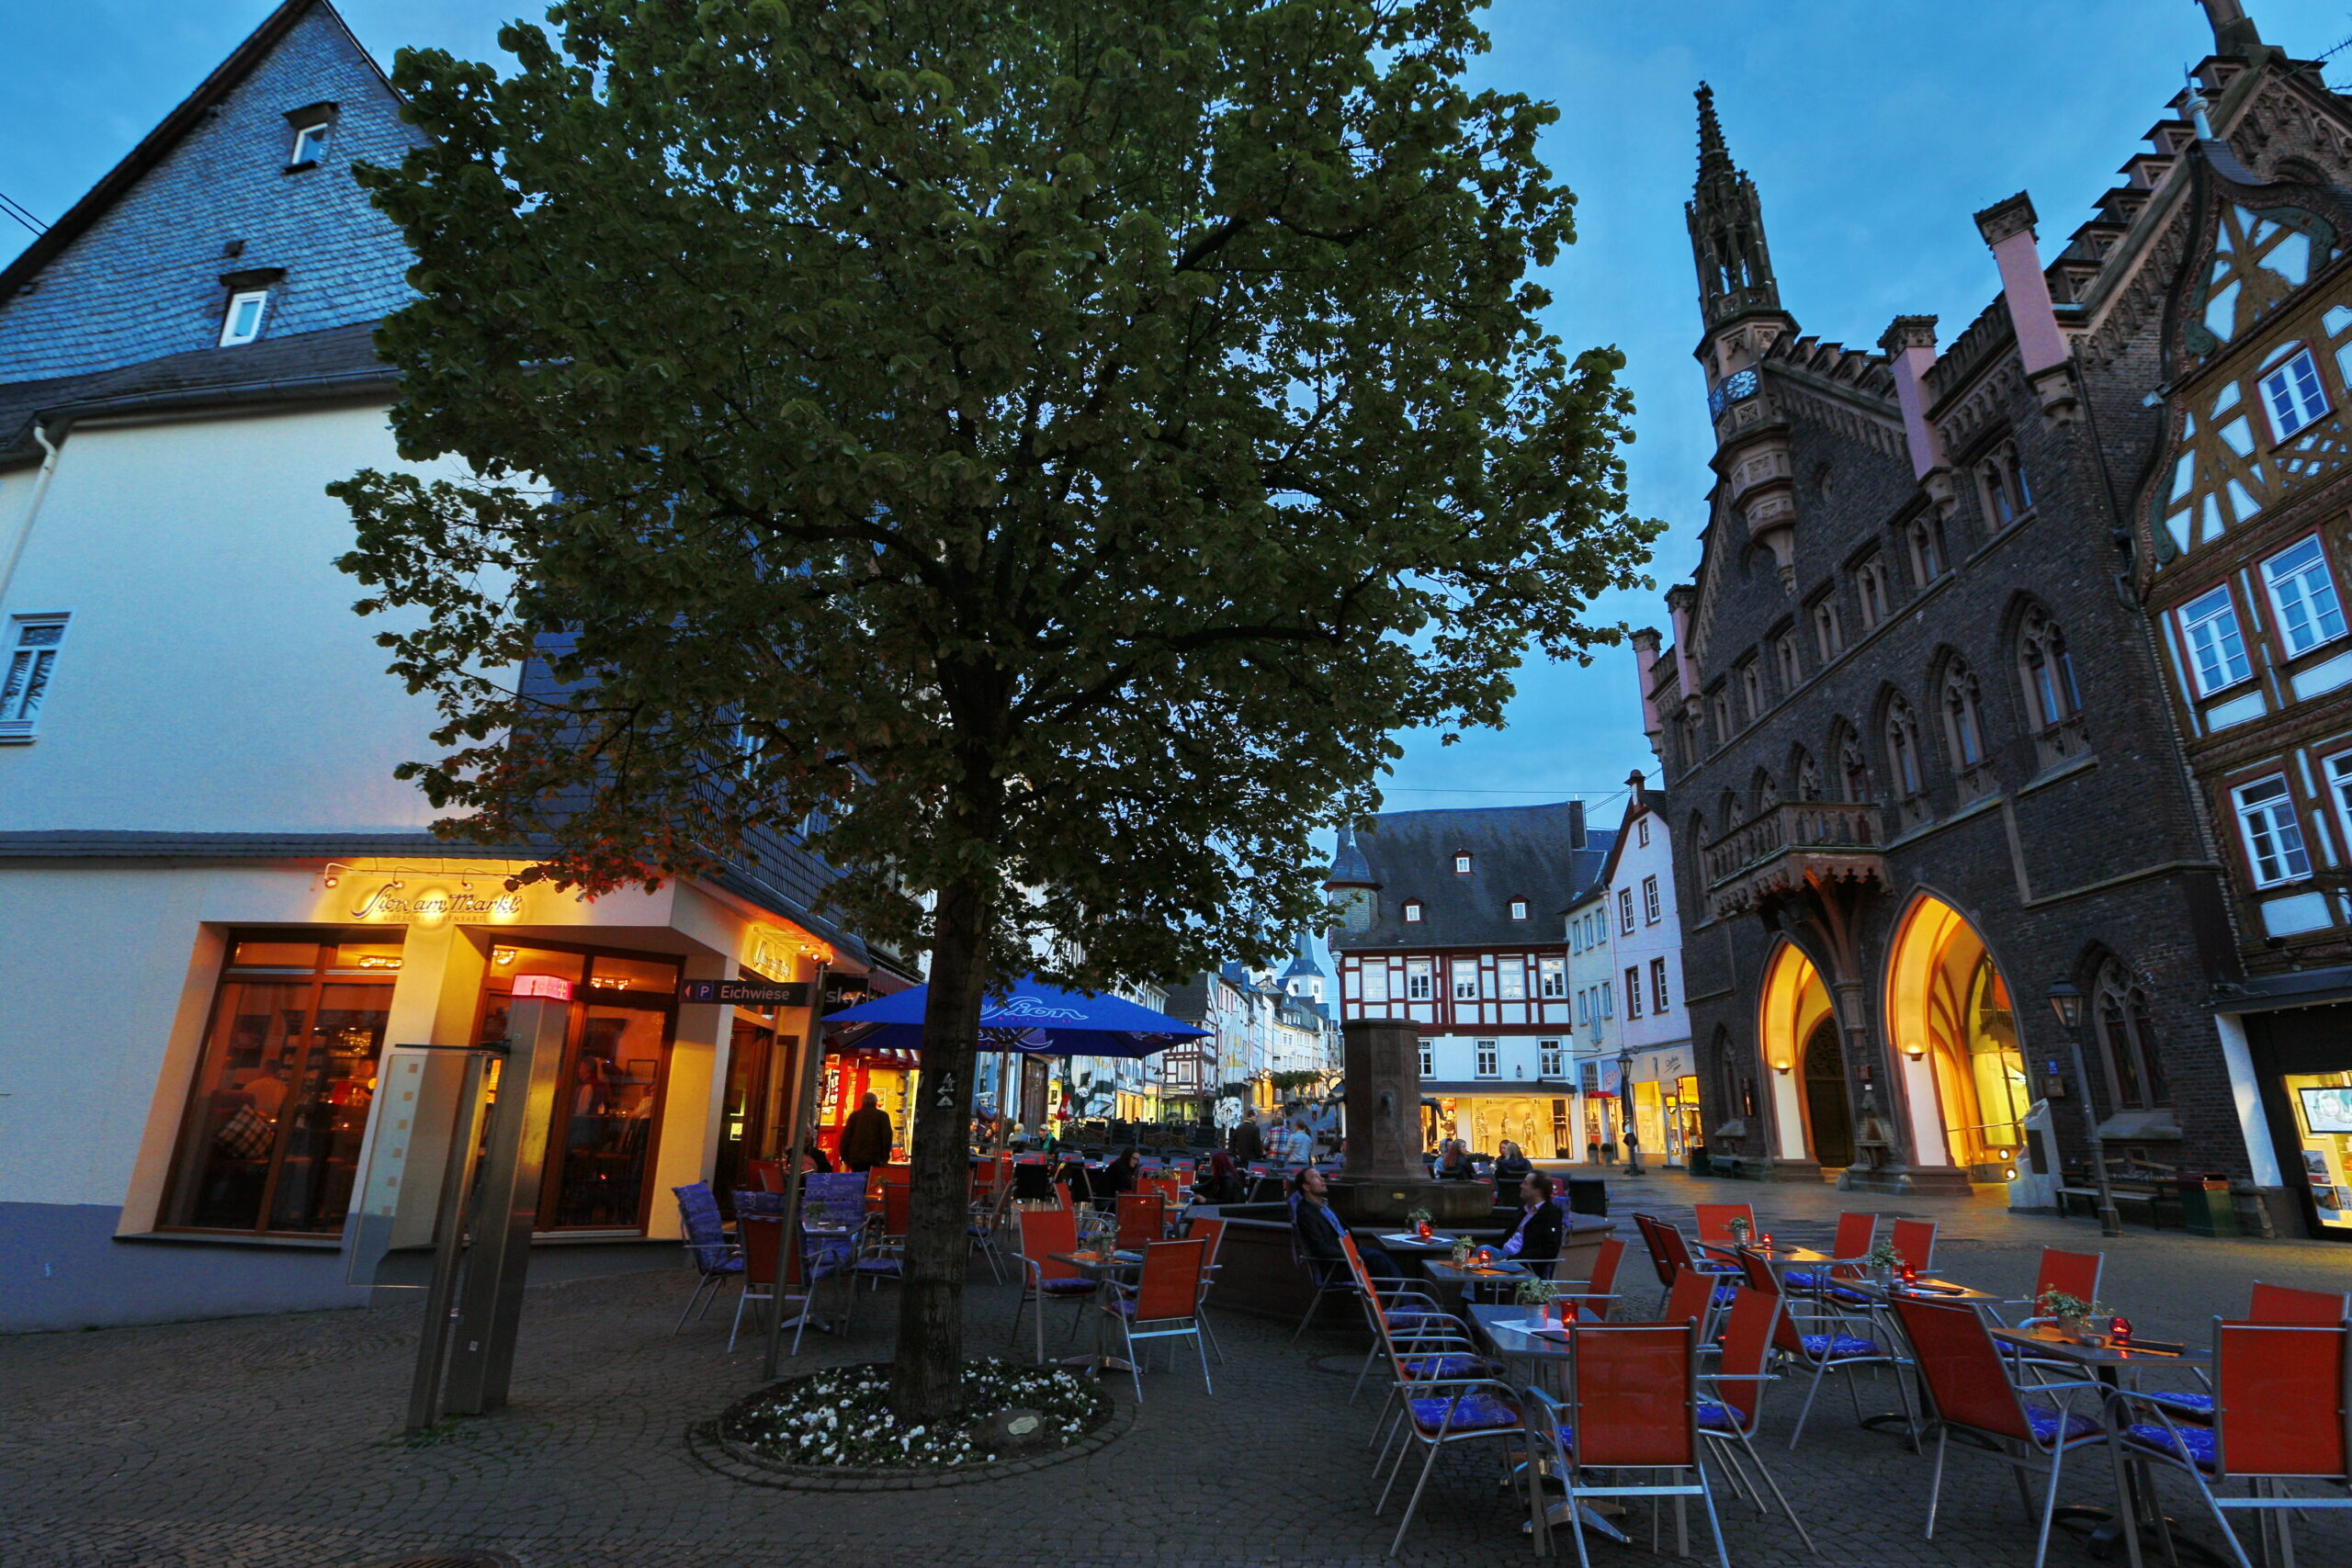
1830, 1117
743, 1114
608, 1105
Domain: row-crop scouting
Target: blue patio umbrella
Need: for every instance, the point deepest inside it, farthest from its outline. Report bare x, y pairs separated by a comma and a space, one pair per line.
1032, 1017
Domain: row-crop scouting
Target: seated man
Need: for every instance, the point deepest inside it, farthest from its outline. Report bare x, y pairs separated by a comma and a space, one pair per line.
1319, 1230
1535, 1240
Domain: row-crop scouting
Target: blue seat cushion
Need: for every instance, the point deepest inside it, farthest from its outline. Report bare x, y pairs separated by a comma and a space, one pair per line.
1805, 1279
1837, 1346
2057, 1426
1852, 1298
2195, 1406
1411, 1319
1716, 1266
1716, 1417
2193, 1443
1476, 1412
1068, 1287
1726, 1297
1427, 1367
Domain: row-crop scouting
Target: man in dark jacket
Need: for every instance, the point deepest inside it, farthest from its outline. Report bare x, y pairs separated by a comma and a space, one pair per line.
1535, 1240
1249, 1143
866, 1136
1319, 1230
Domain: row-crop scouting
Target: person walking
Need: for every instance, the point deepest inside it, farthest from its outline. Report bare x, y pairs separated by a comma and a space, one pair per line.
866, 1136
1249, 1143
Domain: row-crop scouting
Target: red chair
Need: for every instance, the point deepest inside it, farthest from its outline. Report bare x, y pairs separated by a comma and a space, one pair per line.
2279, 1304
1211, 1232
760, 1233
1713, 1222
1164, 1303
1822, 1344
884, 1254
1693, 1298
1594, 1298
1852, 1245
1733, 1411
2279, 1415
1969, 1391
1915, 1242
767, 1175
1636, 1409
1142, 1220
1672, 1254
1044, 1232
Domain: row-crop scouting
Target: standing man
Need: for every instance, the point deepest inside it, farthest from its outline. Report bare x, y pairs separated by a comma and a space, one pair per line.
1248, 1142
866, 1136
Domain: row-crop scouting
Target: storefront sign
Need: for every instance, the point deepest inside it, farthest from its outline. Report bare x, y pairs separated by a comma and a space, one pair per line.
745, 993
394, 903
776, 953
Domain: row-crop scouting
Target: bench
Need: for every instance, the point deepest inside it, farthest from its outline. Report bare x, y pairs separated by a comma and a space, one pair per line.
2131, 1203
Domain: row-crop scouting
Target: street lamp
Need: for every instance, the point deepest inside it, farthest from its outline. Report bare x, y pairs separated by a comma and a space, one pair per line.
2067, 1003
1625, 1105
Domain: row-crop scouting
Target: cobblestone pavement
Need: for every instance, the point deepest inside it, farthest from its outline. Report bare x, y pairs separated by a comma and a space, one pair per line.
271, 1442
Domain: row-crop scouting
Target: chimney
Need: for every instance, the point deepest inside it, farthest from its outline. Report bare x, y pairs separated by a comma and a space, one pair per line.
1686, 669
2007, 228
1575, 825
1910, 347
1644, 671
1641, 800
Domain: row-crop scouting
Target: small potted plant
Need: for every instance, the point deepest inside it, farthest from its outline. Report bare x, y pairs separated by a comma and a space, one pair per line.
1418, 1219
2074, 1316
1882, 1261
1462, 1247
1541, 1294
1739, 1227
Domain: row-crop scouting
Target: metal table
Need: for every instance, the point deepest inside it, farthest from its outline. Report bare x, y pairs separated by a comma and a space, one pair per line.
1545, 1350
1104, 1270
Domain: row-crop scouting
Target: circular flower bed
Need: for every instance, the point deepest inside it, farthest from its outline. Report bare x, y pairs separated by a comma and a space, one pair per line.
839, 1418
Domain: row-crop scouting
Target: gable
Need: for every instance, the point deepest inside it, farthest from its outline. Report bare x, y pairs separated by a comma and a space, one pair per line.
2256, 257
135, 272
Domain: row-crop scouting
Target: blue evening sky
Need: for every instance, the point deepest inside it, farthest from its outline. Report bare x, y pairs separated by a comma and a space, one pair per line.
1872, 128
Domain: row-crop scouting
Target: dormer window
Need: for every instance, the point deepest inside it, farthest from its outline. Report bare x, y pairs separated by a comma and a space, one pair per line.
1412, 911
312, 128
243, 322
1461, 863
1518, 908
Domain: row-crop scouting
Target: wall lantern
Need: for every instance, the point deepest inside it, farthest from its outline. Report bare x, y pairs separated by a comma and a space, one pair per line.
1781, 1066
1914, 1049
2066, 1003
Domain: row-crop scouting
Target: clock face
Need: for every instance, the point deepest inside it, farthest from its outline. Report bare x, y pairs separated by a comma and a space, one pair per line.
1731, 390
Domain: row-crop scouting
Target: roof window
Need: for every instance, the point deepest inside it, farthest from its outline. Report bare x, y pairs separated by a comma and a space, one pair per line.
312, 129
1462, 862
1412, 911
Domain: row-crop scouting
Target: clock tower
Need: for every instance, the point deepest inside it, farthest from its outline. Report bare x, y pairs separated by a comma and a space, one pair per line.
1740, 303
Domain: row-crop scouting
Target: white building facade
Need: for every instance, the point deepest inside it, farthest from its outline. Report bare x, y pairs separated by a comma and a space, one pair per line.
1644, 958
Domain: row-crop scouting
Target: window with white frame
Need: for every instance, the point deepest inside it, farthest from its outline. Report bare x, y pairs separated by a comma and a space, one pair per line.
1584, 997
1632, 991
2338, 769
242, 322
32, 647
1518, 908
1641, 832
1428, 1062
1416, 980
1462, 866
1489, 1060
1376, 982
1551, 1062
2293, 396
1465, 980
310, 143
1650, 901
1658, 985
2274, 835
1608, 1001
1510, 980
1552, 977
1412, 911
2217, 660
1625, 911
2303, 594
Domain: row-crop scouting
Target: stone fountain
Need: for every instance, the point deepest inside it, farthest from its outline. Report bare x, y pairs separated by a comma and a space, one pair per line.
1384, 1178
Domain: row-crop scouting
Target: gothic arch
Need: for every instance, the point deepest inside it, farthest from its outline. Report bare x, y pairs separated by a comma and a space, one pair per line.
1806, 782
1802, 1043
1849, 764
1951, 1025
1902, 754
1762, 793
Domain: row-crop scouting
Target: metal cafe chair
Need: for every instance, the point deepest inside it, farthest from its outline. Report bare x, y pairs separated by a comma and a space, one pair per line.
1045, 1278
1211, 1232
1732, 1411
716, 1259
1595, 1297
1969, 1391
1713, 1222
1163, 1303
2272, 1305
1633, 1406
2282, 1412
1392, 1309
1697, 1299
1823, 1343
1441, 1405
1848, 1251
1142, 1219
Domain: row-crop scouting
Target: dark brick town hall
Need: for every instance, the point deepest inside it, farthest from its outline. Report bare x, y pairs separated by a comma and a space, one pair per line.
2015, 663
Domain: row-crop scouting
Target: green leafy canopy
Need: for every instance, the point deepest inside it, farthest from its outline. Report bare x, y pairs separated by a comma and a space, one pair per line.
1059, 441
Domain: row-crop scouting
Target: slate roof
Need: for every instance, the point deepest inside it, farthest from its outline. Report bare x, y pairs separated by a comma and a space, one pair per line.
1516, 851
339, 362
1302, 960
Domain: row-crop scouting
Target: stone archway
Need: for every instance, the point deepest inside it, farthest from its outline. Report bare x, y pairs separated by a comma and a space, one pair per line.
1793, 1017
1950, 1020
1828, 1114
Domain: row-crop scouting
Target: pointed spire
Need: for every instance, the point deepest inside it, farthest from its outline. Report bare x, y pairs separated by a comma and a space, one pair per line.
1714, 157
2233, 30
1349, 866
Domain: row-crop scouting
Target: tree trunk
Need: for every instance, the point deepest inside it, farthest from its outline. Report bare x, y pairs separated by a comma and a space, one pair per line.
926, 1377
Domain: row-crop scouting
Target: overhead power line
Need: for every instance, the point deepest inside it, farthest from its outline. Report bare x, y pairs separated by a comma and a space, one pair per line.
21, 213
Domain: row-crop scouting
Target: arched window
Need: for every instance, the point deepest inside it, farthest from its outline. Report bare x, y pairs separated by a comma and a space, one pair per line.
1869, 589
1731, 810
1854, 769
2051, 699
1803, 777
2001, 481
1784, 651
1904, 770
1751, 692
1763, 792
1964, 718
1927, 552
1827, 634
2128, 1040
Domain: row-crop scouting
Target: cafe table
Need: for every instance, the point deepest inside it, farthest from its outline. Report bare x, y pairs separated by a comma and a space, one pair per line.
1516, 1339
1105, 1269
1878, 1300
1452, 1280
2117, 1367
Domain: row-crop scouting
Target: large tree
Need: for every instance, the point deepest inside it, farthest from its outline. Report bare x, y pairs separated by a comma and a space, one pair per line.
1055, 442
